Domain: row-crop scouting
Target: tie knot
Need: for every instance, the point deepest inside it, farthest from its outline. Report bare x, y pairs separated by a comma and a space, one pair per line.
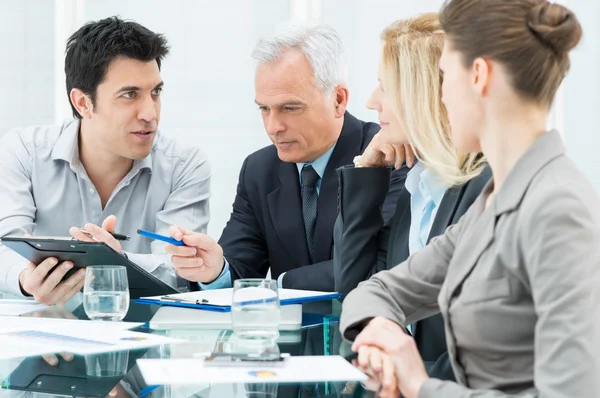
309, 176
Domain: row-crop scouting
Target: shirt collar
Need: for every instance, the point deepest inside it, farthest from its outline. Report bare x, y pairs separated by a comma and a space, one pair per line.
433, 183
318, 164
67, 147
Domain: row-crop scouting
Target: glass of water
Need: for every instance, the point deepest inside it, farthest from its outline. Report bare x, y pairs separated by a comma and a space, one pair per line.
107, 364
106, 292
255, 311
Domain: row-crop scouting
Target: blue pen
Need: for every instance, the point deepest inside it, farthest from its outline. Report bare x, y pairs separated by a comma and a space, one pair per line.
163, 238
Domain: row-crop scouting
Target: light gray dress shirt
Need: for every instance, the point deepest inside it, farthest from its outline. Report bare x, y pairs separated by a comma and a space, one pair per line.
45, 190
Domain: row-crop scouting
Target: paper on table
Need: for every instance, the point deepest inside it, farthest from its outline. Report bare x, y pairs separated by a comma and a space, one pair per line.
57, 324
296, 370
47, 341
224, 297
18, 307
20, 351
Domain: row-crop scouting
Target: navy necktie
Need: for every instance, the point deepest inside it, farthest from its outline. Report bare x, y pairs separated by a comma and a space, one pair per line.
309, 204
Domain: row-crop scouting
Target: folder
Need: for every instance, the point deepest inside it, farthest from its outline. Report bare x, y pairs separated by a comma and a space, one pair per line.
221, 299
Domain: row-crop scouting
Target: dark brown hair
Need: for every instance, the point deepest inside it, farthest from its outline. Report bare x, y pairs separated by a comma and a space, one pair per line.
530, 38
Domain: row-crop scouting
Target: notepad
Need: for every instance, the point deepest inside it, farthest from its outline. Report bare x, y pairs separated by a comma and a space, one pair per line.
221, 299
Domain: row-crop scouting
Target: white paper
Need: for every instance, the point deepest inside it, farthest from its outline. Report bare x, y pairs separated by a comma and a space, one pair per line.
20, 351
18, 307
167, 318
224, 297
24, 336
64, 341
296, 370
79, 327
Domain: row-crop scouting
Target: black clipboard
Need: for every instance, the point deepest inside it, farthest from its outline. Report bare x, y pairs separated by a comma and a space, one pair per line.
82, 254
66, 378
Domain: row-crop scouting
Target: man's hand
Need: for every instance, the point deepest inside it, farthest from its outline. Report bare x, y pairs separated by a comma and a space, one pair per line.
401, 348
46, 286
100, 234
201, 260
52, 359
381, 154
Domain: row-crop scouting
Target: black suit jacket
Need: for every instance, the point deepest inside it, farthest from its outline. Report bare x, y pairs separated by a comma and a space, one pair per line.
364, 245
266, 228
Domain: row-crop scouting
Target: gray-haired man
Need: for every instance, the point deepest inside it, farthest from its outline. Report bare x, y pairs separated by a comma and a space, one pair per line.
286, 202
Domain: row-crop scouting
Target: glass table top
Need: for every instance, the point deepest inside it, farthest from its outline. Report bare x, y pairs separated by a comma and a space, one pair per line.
34, 376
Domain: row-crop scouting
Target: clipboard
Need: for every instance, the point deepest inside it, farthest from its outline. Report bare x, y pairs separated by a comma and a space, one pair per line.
67, 378
220, 299
82, 254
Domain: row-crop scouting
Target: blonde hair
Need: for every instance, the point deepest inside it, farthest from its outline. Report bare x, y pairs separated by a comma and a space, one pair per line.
412, 84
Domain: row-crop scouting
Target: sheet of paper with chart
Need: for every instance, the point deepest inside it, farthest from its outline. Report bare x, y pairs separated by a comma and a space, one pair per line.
47, 342
295, 370
36, 336
59, 324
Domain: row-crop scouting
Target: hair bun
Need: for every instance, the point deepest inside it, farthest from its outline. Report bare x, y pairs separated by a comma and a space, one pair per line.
555, 26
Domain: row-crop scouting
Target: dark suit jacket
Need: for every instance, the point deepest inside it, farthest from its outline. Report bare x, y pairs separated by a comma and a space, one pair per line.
364, 246
266, 228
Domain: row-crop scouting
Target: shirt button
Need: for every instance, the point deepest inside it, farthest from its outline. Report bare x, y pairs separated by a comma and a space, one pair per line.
92, 190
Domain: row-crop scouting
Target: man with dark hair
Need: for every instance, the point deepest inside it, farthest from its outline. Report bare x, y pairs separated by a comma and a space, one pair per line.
110, 163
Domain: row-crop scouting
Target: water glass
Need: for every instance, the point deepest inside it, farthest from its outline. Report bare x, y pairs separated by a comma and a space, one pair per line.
255, 311
106, 292
261, 390
109, 364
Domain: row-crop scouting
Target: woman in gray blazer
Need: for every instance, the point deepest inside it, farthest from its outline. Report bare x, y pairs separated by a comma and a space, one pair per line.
517, 279
438, 189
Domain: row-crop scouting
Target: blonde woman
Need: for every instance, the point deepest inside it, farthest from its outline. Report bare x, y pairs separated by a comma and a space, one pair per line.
439, 188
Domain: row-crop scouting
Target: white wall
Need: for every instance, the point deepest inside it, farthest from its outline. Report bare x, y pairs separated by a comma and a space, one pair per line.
27, 67
209, 92
360, 23
582, 93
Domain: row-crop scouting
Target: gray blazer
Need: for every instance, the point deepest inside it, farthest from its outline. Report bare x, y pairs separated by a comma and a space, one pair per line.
518, 285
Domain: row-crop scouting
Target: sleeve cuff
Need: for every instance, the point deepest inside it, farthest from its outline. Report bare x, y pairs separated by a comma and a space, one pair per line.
10, 270
222, 282
433, 388
14, 285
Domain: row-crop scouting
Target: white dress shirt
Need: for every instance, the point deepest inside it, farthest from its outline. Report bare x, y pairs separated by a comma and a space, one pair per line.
45, 190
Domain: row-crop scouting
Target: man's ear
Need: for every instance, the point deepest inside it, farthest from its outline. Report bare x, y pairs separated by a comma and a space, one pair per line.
82, 102
341, 100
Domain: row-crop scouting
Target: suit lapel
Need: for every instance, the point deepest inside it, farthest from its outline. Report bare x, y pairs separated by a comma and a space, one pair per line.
348, 145
446, 212
400, 230
285, 206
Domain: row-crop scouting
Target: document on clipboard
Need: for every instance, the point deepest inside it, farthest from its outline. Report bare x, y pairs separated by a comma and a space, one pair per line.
221, 299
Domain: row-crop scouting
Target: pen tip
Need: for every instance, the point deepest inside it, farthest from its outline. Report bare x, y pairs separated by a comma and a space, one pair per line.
139, 231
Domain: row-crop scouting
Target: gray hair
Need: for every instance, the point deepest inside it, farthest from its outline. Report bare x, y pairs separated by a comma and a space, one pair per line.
320, 44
